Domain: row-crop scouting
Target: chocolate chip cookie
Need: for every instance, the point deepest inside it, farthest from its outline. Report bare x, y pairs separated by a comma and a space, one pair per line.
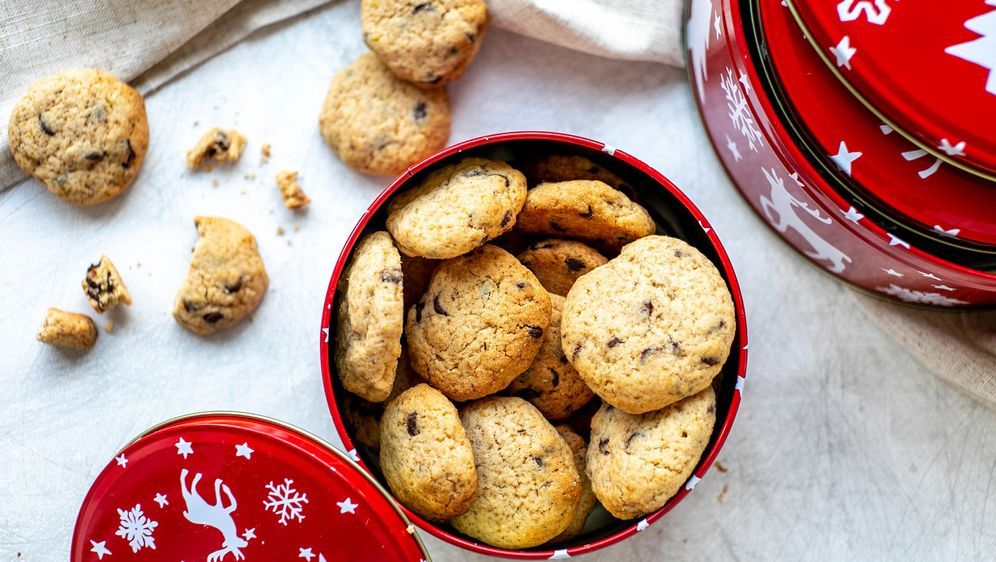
216, 146
378, 124
565, 167
637, 462
586, 209
559, 263
425, 455
362, 417
457, 208
81, 132
551, 383
427, 43
226, 280
479, 325
588, 500
651, 326
103, 286
371, 317
528, 486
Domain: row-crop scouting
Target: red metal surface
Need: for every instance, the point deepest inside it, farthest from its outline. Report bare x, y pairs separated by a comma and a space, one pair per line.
928, 67
914, 185
198, 488
736, 365
775, 177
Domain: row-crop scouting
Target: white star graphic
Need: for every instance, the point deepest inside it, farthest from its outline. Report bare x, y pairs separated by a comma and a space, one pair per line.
942, 230
692, 482
929, 275
885, 129
244, 450
952, 150
559, 554
184, 448
745, 80
896, 241
734, 151
853, 215
347, 506
121, 460
326, 332
843, 52
844, 158
100, 549
161, 500
305, 553
716, 22
943, 287
642, 525
704, 227
249, 534
353, 455
893, 272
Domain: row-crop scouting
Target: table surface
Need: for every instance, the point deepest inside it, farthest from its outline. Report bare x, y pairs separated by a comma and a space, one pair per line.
844, 447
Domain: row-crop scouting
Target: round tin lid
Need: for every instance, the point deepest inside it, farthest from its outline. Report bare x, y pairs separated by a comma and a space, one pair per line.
927, 68
224, 486
915, 186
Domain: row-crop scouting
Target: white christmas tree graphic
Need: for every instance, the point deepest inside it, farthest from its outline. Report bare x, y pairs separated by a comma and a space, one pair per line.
981, 51
285, 501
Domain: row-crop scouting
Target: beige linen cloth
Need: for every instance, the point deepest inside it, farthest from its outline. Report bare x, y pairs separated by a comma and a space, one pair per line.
149, 42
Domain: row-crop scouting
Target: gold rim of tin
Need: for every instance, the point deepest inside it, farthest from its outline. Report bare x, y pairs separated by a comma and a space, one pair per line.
412, 529
933, 151
815, 157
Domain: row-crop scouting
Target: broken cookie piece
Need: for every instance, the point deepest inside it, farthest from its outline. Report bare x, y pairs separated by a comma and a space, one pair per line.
216, 146
290, 190
68, 329
103, 286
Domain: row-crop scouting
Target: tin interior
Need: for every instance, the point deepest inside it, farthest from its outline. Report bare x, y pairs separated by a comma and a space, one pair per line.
672, 219
957, 251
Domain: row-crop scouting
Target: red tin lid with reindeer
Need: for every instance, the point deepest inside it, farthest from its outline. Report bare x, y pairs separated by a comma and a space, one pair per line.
223, 487
918, 188
928, 68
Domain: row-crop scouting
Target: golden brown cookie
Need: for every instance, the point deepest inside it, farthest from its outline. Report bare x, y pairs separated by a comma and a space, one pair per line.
528, 486
564, 167
81, 132
559, 263
290, 190
216, 146
362, 417
68, 329
103, 286
588, 500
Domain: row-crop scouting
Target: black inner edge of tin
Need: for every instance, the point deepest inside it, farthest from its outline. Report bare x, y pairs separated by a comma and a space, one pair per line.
672, 219
956, 251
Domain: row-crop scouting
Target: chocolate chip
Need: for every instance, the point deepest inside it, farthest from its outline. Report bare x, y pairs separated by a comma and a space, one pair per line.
221, 141
538, 461
95, 156
648, 307
711, 408
412, 421
470, 37
234, 287
684, 435
631, 437
679, 254
44, 126
420, 111
452, 51
391, 276
563, 359
130, 155
554, 225
520, 285
423, 7
506, 219
577, 350
722, 324
212, 317
675, 347
554, 378
575, 264
603, 445
438, 307
189, 306
710, 361
418, 311
614, 342
587, 214
648, 352
535, 331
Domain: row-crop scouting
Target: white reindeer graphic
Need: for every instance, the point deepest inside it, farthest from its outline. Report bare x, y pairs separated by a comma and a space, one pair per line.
784, 206
218, 516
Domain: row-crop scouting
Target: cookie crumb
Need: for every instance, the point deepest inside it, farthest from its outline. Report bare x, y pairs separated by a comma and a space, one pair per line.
68, 329
103, 286
719, 466
217, 145
251, 176
290, 190
264, 153
214, 183
289, 243
109, 326
296, 227
722, 493
280, 231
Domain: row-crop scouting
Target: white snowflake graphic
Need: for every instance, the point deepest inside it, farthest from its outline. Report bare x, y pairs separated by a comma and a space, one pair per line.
921, 297
740, 115
136, 528
285, 501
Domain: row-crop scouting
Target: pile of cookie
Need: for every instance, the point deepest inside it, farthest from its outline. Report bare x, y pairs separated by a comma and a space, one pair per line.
472, 374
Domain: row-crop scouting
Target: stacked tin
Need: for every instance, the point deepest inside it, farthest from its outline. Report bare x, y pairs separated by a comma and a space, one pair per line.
863, 132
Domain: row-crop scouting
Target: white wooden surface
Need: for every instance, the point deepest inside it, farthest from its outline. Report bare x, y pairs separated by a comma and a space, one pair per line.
844, 448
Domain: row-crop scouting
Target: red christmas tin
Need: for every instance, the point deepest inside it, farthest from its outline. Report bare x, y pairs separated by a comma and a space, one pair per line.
226, 486
927, 68
866, 155
787, 189
675, 215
